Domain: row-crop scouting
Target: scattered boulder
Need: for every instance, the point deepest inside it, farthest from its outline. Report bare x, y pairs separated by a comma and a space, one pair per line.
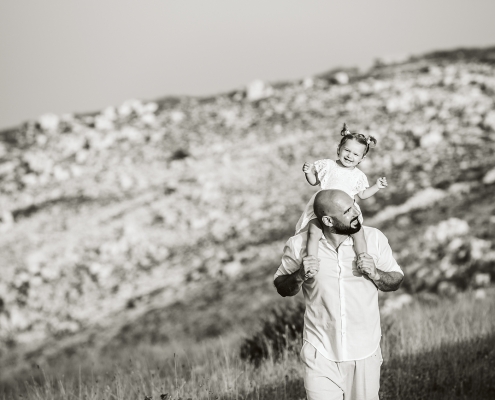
49, 122
489, 177
340, 78
258, 90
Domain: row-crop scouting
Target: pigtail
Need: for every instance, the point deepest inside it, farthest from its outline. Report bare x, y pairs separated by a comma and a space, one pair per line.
371, 141
345, 131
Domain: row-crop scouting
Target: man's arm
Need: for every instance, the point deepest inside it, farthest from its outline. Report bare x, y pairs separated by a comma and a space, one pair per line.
384, 281
290, 285
387, 281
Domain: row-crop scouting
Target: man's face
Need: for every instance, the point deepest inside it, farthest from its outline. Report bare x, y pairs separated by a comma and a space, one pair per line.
343, 229
346, 222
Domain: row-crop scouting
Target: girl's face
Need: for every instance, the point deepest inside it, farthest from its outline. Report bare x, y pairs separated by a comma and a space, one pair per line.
351, 153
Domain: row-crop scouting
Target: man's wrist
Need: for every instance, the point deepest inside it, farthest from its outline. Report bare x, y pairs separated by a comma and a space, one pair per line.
377, 276
300, 276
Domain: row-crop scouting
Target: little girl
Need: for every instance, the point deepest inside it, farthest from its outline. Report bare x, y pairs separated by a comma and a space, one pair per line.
344, 175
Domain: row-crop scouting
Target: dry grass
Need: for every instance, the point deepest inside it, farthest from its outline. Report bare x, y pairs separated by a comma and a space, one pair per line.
433, 349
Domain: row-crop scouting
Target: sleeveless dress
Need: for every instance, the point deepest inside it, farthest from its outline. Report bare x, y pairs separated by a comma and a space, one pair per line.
332, 176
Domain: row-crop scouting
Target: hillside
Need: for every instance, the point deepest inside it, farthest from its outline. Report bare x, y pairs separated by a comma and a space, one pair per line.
154, 221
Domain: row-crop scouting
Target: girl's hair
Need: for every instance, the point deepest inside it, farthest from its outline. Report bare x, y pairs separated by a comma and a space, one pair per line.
368, 141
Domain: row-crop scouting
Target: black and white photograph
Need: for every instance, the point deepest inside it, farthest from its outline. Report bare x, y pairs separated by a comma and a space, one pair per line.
247, 200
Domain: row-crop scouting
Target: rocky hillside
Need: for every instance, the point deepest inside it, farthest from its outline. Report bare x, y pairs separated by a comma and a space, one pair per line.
152, 220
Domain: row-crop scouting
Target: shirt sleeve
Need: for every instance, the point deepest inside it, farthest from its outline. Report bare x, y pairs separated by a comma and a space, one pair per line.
362, 182
386, 261
291, 261
321, 169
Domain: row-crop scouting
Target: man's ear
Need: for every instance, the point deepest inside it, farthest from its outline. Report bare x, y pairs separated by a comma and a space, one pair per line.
327, 221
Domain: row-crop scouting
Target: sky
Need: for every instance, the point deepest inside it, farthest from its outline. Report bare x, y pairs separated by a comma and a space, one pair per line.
65, 56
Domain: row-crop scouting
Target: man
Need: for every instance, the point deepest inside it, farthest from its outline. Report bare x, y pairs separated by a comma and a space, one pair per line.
341, 351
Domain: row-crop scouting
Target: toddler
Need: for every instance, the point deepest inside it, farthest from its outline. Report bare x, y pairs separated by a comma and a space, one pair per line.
344, 175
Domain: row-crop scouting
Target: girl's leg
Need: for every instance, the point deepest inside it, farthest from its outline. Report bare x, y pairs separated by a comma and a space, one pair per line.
360, 245
314, 235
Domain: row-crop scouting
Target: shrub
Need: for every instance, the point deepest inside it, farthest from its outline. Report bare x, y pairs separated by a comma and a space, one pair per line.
281, 332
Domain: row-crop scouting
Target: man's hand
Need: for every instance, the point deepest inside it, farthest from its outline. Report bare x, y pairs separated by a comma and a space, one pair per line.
366, 266
381, 183
384, 281
309, 268
307, 168
290, 285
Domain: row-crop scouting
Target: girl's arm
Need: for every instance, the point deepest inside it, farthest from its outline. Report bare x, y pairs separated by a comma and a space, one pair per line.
310, 173
381, 183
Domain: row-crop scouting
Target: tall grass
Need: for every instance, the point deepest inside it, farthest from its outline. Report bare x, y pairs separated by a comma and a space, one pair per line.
433, 349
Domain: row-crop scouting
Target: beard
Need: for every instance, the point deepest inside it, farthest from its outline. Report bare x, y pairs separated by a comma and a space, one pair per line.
342, 229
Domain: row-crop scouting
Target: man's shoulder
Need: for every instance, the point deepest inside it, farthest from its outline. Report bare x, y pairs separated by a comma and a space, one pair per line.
374, 233
298, 241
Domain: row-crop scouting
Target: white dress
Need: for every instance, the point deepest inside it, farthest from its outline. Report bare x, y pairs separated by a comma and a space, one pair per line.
332, 176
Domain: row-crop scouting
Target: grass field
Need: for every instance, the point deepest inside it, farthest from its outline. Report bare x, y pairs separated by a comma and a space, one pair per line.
434, 348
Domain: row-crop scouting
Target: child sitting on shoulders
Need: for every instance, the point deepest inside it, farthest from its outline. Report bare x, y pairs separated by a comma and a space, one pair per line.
344, 175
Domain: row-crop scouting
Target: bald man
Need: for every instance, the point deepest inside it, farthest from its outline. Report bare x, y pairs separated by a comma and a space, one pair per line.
341, 351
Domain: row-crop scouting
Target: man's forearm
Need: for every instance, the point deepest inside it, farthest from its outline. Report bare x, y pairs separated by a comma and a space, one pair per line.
289, 285
388, 281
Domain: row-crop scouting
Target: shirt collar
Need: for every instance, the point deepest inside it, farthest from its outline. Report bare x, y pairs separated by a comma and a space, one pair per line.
347, 242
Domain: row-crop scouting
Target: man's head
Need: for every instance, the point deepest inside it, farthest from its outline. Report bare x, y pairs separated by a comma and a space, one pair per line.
337, 212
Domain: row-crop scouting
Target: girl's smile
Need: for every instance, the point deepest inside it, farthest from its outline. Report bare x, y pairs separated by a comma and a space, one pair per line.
351, 153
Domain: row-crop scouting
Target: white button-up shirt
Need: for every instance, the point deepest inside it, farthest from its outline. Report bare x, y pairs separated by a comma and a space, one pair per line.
342, 320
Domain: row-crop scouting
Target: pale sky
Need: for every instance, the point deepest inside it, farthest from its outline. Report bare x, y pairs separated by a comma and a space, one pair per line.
83, 55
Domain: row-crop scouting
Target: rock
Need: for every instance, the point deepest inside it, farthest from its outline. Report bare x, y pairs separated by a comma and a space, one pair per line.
431, 139
125, 181
258, 90
109, 114
308, 82
232, 269
460, 188
177, 116
482, 279
479, 248
391, 59
151, 108
103, 123
125, 110
446, 230
49, 122
60, 173
340, 78
149, 119
480, 294
3, 150
489, 121
421, 200
489, 177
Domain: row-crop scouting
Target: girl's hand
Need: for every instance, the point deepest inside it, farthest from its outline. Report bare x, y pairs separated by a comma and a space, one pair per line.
381, 183
307, 168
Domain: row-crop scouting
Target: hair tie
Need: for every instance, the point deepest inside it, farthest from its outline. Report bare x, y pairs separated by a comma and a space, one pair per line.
371, 142
345, 131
